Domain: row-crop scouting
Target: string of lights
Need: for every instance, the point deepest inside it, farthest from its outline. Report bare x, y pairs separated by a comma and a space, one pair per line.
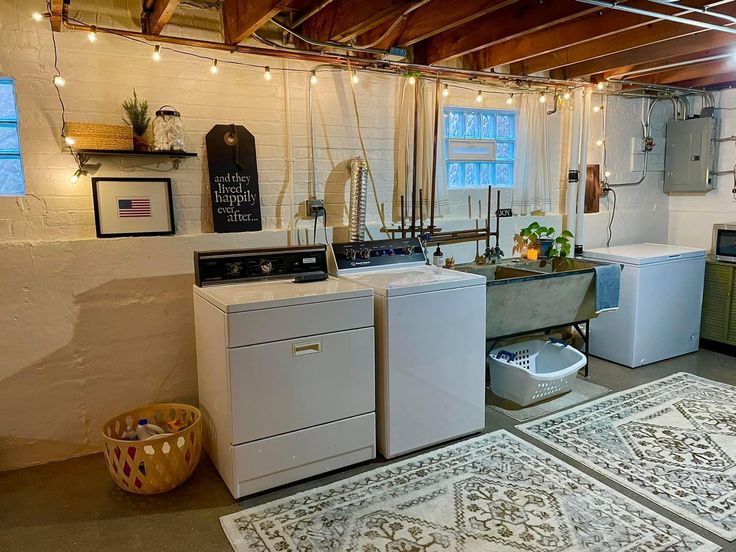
510, 90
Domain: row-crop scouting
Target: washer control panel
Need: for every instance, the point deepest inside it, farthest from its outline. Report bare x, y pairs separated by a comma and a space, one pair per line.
223, 267
378, 253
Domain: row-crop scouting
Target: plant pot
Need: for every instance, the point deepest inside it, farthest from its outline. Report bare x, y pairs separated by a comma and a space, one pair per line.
545, 246
141, 144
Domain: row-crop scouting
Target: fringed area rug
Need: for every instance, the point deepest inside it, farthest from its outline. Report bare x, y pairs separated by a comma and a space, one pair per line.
492, 493
672, 441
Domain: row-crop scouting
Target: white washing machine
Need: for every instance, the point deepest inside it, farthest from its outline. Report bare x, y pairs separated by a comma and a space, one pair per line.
430, 343
286, 370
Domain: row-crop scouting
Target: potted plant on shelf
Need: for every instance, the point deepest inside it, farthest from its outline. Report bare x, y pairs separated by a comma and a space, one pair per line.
137, 112
543, 242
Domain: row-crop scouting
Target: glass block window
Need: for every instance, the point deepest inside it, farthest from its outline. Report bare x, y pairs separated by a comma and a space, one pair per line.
477, 129
12, 182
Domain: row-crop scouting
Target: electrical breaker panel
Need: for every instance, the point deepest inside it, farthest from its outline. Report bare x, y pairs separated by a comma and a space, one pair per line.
690, 156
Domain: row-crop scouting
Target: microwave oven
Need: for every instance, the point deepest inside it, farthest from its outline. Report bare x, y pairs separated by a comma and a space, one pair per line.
724, 242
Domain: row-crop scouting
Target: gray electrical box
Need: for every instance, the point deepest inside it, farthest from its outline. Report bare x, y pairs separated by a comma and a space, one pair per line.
690, 156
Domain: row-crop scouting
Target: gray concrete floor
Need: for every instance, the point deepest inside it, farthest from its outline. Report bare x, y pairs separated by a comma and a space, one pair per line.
74, 505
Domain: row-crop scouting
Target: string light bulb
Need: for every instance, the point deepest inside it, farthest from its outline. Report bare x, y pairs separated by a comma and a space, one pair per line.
607, 174
267, 73
599, 143
445, 90
600, 85
69, 140
313, 78
156, 53
412, 80
213, 68
542, 98
510, 99
566, 96
37, 17
59, 80
597, 108
479, 97
74, 178
355, 77
92, 35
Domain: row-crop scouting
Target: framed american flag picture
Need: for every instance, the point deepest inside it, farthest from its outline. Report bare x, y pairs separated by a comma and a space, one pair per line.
133, 207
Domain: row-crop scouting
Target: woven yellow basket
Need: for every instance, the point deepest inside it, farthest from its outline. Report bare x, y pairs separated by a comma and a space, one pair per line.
100, 137
154, 465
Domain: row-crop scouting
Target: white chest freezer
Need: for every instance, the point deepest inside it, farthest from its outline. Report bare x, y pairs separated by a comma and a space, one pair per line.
660, 303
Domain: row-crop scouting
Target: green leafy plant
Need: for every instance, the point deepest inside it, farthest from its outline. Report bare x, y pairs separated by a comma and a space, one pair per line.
535, 232
137, 111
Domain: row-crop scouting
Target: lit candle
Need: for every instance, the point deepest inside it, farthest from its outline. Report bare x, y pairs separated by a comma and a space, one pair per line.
532, 254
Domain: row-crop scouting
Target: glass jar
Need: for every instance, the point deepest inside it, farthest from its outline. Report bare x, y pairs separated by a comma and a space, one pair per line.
168, 130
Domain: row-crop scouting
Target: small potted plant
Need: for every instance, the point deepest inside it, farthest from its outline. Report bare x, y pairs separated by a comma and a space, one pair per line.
137, 112
542, 241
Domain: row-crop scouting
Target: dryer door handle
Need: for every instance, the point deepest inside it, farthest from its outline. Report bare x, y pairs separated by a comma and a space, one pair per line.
299, 349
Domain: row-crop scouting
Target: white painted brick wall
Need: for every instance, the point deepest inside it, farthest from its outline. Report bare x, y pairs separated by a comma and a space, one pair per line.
75, 308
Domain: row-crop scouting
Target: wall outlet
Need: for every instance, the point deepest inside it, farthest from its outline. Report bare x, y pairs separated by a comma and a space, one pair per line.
315, 206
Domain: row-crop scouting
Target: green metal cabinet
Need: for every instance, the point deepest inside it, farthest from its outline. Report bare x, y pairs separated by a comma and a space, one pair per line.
718, 322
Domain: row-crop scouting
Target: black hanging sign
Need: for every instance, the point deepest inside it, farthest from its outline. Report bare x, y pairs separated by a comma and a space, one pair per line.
233, 172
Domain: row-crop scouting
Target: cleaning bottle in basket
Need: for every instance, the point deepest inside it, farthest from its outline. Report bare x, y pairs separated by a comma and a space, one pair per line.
146, 430
129, 434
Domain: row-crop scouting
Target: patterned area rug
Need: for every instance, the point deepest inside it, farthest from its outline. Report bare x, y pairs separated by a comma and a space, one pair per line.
672, 441
492, 493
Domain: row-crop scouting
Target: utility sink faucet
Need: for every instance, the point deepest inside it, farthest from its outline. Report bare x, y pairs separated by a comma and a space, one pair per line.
493, 254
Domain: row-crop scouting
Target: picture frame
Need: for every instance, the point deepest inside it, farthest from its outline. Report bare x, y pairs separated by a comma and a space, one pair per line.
127, 207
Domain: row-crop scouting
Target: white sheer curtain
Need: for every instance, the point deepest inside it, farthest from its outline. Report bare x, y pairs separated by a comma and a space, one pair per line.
424, 95
531, 172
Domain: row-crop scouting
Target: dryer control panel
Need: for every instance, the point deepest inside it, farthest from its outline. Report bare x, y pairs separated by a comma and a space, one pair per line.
378, 253
239, 265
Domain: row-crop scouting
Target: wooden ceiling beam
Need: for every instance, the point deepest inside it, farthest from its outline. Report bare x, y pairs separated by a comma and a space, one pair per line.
690, 72
59, 10
343, 20
241, 18
654, 65
627, 40
711, 81
518, 19
432, 18
600, 24
155, 17
620, 62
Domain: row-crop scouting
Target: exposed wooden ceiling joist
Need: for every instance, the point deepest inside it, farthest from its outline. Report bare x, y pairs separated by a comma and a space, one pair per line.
726, 79
619, 42
518, 19
58, 8
599, 24
155, 17
690, 72
343, 20
241, 18
435, 17
623, 61
655, 65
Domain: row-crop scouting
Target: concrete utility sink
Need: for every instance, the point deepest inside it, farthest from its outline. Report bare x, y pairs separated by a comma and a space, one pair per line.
523, 296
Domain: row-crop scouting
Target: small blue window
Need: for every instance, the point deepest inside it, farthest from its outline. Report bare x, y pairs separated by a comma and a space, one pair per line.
480, 146
12, 182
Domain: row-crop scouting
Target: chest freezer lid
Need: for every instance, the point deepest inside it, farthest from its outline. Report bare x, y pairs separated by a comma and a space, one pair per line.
640, 254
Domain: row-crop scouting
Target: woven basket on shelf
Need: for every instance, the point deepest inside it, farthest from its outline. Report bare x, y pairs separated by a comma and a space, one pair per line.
154, 465
100, 137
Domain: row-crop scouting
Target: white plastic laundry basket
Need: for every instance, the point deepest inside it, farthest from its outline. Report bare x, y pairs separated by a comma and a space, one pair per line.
534, 370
